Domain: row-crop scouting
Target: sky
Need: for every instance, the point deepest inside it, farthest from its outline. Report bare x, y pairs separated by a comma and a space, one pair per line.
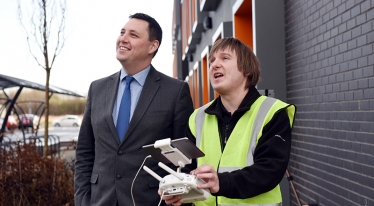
90, 47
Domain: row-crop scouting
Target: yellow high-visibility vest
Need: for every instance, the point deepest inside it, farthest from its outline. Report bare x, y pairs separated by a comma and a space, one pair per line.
238, 152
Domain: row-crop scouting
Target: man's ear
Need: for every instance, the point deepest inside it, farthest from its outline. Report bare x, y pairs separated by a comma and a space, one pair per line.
154, 46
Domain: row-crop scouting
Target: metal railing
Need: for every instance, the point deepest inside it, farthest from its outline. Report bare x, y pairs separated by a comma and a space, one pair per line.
53, 144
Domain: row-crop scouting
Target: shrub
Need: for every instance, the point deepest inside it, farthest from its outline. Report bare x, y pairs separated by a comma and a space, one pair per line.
28, 179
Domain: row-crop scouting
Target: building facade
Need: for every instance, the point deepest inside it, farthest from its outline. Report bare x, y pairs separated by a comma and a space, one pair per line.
316, 54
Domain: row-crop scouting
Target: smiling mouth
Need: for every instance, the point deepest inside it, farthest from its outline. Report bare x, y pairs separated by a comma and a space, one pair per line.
122, 48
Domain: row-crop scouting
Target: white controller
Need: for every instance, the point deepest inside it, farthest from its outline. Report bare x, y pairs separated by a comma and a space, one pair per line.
185, 188
182, 184
178, 183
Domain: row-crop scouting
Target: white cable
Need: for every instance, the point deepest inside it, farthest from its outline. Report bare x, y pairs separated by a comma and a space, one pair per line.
163, 192
132, 184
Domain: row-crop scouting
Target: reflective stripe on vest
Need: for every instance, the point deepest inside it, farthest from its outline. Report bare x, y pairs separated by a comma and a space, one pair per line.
257, 121
257, 127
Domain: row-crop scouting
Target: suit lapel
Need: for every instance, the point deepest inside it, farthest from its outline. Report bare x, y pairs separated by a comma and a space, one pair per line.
111, 95
151, 85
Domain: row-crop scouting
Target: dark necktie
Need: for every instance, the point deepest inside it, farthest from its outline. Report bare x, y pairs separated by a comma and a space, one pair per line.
124, 110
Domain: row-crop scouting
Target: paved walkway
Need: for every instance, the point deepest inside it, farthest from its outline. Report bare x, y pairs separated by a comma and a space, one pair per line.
67, 154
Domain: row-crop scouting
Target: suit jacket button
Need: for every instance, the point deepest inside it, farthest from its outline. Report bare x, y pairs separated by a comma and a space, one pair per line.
120, 153
119, 177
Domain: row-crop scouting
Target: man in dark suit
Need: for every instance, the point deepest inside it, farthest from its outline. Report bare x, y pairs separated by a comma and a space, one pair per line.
160, 107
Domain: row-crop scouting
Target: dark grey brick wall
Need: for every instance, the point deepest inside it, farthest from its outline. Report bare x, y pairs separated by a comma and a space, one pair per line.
330, 78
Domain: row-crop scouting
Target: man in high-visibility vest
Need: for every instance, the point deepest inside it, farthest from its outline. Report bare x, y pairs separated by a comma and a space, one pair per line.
246, 137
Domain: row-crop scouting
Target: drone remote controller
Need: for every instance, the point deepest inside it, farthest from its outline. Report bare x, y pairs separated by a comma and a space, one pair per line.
178, 183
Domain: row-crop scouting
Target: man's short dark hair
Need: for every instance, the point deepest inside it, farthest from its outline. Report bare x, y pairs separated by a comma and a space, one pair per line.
154, 29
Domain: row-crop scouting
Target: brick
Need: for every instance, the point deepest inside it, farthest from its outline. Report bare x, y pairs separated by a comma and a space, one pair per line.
321, 89
332, 97
334, 31
336, 88
346, 16
349, 4
320, 38
352, 64
323, 28
371, 82
342, 28
325, 62
351, 23
328, 71
371, 59
344, 86
335, 50
347, 55
348, 76
317, 48
341, 9
362, 62
325, 17
344, 66
356, 32
327, 35
370, 37
330, 25
335, 68
340, 77
325, 80
361, 19
328, 53
339, 59
363, 83
365, 105
352, 44
353, 85
368, 71
328, 88
347, 36
361, 41
358, 95
366, 27
356, 53
365, 6
370, 15
356, 10
338, 38
337, 2
357, 73
367, 49
353, 106
321, 10
348, 96
359, 116
368, 93
333, 14
331, 61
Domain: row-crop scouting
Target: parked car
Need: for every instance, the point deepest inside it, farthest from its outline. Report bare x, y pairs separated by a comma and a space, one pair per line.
67, 121
10, 124
29, 121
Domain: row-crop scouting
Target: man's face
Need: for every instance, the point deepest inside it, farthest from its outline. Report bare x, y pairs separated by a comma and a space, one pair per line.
224, 74
133, 45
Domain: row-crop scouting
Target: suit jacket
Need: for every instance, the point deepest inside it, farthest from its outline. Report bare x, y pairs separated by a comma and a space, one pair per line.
105, 167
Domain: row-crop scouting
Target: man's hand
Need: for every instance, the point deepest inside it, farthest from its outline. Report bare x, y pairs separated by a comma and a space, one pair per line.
209, 175
174, 200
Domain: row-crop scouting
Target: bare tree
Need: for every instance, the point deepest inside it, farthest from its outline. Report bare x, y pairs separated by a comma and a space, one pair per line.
44, 24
